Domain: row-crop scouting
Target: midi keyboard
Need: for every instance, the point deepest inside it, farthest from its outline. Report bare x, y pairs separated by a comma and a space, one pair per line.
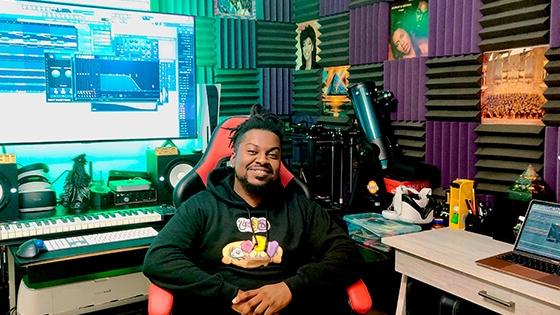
80, 222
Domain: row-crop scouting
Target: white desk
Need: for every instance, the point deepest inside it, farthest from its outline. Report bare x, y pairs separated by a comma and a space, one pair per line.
445, 259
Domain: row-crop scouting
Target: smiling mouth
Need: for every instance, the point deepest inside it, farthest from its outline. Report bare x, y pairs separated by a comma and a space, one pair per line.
259, 172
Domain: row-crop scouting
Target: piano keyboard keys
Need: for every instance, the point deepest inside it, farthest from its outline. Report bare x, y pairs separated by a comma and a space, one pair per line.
43, 226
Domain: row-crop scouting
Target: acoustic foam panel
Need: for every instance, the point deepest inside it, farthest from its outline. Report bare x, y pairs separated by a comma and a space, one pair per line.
237, 43
369, 28
204, 75
450, 146
454, 88
554, 22
239, 90
205, 31
277, 89
360, 3
275, 11
552, 93
365, 73
406, 78
454, 27
307, 92
504, 152
191, 7
551, 171
276, 45
334, 40
410, 136
514, 23
332, 7
305, 10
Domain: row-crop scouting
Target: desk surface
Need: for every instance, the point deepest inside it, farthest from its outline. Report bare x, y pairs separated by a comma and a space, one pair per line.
458, 250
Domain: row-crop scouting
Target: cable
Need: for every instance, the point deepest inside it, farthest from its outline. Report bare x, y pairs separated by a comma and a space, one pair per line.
59, 176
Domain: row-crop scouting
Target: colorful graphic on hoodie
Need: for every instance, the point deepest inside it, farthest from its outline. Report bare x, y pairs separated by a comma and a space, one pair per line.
255, 252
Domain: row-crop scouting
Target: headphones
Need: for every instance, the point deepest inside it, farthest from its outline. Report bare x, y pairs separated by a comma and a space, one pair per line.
35, 190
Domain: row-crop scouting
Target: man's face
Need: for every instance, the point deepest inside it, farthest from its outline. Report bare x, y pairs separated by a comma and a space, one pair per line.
257, 160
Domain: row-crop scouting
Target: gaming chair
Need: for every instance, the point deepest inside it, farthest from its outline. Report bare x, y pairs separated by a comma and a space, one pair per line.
160, 301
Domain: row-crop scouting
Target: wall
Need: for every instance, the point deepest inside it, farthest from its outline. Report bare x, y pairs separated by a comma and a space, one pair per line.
438, 116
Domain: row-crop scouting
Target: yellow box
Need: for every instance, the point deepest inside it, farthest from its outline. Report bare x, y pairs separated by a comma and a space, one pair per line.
461, 194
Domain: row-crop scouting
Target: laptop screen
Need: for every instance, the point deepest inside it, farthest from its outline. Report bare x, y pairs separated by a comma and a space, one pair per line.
540, 234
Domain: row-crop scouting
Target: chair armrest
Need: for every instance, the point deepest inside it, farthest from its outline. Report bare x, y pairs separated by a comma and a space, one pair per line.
358, 297
160, 301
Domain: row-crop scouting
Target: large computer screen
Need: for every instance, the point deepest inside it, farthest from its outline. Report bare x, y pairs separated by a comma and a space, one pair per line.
78, 73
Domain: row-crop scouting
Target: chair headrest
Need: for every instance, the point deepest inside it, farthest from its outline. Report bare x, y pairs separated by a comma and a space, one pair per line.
217, 151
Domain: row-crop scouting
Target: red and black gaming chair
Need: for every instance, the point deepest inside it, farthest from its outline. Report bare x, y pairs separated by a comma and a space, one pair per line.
160, 301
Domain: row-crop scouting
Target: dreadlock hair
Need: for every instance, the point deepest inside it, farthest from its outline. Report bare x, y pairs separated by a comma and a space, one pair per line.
258, 119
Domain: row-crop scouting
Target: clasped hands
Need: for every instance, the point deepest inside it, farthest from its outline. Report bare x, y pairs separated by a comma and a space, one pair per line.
267, 300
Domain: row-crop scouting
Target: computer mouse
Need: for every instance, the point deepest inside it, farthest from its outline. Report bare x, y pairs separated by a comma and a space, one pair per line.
31, 248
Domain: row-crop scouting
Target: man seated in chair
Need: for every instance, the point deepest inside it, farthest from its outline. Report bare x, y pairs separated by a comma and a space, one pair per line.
248, 245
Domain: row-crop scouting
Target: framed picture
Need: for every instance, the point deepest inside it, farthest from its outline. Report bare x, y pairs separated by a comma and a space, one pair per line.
513, 86
235, 8
307, 46
335, 90
409, 29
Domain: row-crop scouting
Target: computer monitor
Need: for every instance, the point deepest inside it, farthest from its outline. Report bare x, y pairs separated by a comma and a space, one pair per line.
79, 73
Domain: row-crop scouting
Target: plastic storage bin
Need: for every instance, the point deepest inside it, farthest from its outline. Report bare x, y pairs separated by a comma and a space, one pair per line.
368, 229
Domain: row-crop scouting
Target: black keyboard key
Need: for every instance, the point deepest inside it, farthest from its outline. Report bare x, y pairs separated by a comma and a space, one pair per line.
533, 263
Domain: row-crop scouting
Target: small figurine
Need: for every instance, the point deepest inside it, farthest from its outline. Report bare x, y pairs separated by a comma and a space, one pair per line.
528, 185
76, 186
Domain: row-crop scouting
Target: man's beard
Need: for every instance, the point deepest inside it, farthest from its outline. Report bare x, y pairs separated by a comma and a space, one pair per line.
259, 190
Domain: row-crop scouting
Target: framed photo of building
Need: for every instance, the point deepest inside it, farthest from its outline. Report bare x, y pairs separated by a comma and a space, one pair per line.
513, 86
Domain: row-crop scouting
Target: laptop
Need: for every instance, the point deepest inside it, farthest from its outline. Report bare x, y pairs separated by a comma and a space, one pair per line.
536, 253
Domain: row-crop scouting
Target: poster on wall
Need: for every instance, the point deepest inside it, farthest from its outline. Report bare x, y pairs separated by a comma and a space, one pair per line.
408, 37
235, 8
335, 90
513, 86
307, 45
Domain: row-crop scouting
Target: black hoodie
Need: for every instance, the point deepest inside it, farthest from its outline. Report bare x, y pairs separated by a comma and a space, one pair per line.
209, 250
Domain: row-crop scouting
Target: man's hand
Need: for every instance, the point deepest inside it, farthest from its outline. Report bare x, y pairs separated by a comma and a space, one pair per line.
267, 300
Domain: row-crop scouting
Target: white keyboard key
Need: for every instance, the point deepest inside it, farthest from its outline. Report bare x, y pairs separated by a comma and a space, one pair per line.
3, 232
45, 226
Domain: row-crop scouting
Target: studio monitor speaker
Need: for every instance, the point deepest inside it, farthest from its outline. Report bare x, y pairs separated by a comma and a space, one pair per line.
166, 170
9, 203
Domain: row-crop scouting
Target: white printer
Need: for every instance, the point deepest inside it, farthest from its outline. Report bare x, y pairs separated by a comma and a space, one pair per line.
82, 297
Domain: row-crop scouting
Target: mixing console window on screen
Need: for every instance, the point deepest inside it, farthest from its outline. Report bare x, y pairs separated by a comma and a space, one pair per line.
94, 70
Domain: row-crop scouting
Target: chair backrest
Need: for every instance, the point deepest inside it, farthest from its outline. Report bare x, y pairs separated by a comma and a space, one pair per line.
216, 153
